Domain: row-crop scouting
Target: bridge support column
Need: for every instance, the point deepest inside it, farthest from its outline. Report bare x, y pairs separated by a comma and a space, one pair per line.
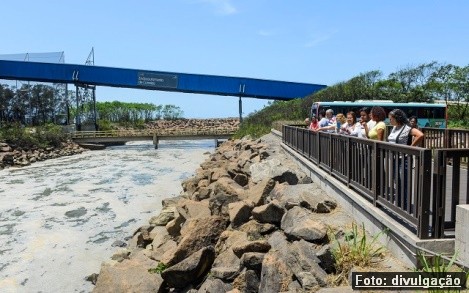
155, 141
240, 110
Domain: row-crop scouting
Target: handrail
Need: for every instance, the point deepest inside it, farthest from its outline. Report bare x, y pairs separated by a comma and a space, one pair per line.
139, 133
395, 178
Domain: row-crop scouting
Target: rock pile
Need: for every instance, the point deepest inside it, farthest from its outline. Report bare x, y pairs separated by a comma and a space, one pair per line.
247, 221
220, 124
13, 155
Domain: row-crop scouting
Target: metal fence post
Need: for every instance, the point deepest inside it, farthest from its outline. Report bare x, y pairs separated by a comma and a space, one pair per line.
375, 171
424, 195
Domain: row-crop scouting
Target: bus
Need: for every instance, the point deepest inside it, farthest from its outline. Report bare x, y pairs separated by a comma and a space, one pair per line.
428, 115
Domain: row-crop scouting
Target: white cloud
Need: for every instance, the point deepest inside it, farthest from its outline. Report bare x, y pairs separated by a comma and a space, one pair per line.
321, 38
224, 7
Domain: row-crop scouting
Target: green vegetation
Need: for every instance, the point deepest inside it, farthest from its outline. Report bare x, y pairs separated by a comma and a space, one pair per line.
260, 122
356, 250
48, 135
439, 266
159, 268
39, 104
422, 83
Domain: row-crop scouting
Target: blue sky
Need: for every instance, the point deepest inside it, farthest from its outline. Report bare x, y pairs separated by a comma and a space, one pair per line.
321, 42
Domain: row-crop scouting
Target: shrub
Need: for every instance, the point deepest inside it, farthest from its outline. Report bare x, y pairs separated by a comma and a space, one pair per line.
356, 250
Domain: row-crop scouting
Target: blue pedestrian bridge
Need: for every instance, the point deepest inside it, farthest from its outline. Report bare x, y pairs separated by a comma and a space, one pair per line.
90, 75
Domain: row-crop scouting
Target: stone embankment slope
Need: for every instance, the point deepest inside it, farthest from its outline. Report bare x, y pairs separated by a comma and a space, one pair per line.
19, 156
248, 221
229, 125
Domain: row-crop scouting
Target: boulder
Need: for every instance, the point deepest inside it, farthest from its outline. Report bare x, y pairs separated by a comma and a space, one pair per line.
212, 285
258, 193
171, 202
227, 240
317, 201
239, 213
227, 186
219, 204
241, 179
327, 260
252, 246
271, 169
130, 275
174, 226
247, 281
299, 257
275, 275
166, 215
256, 230
195, 209
191, 269
269, 213
299, 223
252, 261
226, 266
196, 234
307, 280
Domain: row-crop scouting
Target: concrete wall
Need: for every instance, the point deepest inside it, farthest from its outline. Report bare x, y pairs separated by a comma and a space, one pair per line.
462, 235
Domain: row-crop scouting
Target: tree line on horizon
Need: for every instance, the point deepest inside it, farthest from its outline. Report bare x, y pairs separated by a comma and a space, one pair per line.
427, 82
39, 104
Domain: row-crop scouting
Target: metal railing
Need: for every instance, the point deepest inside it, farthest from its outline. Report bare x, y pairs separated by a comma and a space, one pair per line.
438, 138
395, 178
449, 170
150, 133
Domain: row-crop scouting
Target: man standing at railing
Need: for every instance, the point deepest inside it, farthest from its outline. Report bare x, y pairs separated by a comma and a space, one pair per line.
328, 123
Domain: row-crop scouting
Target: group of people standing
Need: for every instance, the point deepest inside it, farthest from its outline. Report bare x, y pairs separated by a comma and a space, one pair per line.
371, 125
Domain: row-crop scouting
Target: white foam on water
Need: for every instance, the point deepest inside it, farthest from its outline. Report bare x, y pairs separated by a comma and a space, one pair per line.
58, 218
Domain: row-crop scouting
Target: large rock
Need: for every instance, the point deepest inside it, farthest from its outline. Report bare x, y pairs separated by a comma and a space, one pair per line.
227, 186
228, 239
299, 223
191, 269
272, 169
130, 275
275, 275
239, 213
196, 234
195, 209
212, 285
258, 193
252, 246
317, 201
256, 230
247, 282
300, 258
269, 213
174, 226
219, 204
252, 260
327, 260
165, 216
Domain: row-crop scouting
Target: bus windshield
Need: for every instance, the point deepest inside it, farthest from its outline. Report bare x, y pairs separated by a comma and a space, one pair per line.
428, 115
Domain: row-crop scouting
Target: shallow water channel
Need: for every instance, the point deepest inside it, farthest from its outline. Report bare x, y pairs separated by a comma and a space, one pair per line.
59, 218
